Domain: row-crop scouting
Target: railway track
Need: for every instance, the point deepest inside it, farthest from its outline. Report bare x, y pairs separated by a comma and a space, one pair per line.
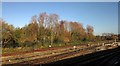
109, 57
94, 59
50, 58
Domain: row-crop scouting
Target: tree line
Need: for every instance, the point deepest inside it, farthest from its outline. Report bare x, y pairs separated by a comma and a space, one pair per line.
108, 36
45, 29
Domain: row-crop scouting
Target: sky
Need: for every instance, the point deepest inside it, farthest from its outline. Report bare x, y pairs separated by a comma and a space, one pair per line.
60, 0
103, 16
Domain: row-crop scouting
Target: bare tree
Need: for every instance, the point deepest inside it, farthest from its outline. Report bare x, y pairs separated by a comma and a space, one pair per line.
53, 19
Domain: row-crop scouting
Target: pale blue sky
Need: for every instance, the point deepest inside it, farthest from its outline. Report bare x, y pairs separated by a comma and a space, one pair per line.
103, 16
60, 0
